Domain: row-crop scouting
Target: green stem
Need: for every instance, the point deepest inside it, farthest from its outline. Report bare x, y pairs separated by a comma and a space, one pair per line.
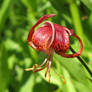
76, 20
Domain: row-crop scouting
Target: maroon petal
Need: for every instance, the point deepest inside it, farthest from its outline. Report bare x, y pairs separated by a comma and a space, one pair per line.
38, 22
75, 54
43, 18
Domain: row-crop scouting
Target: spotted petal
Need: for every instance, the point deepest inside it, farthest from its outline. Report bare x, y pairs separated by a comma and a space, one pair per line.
29, 39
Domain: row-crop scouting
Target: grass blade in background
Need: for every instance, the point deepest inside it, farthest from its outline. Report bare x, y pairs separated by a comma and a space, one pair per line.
4, 71
4, 12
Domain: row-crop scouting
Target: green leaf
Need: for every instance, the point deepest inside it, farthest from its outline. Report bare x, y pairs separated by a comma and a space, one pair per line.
28, 85
69, 85
88, 3
75, 69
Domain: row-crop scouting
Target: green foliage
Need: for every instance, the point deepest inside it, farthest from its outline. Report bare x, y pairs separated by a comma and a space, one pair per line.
16, 19
88, 3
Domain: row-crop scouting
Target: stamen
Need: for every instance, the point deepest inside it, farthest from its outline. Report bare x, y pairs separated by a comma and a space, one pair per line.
36, 66
49, 65
44, 62
28, 69
36, 70
59, 75
48, 70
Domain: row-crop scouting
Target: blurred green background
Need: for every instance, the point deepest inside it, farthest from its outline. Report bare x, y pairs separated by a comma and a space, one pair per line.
16, 19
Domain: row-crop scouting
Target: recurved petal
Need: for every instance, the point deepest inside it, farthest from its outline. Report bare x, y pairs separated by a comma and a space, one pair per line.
38, 22
43, 18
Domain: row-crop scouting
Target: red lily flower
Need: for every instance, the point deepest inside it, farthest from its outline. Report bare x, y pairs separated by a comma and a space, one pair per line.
51, 37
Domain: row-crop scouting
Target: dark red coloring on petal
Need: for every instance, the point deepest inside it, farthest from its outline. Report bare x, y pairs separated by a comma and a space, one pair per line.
29, 39
61, 41
41, 37
51, 37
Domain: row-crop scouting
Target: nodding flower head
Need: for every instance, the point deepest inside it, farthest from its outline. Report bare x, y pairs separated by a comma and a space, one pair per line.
51, 37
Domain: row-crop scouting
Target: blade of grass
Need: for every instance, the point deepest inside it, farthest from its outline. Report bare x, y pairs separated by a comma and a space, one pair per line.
4, 11
76, 20
4, 71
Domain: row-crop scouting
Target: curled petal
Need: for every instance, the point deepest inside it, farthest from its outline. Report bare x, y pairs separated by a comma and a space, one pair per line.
43, 18
69, 31
38, 22
53, 33
75, 54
